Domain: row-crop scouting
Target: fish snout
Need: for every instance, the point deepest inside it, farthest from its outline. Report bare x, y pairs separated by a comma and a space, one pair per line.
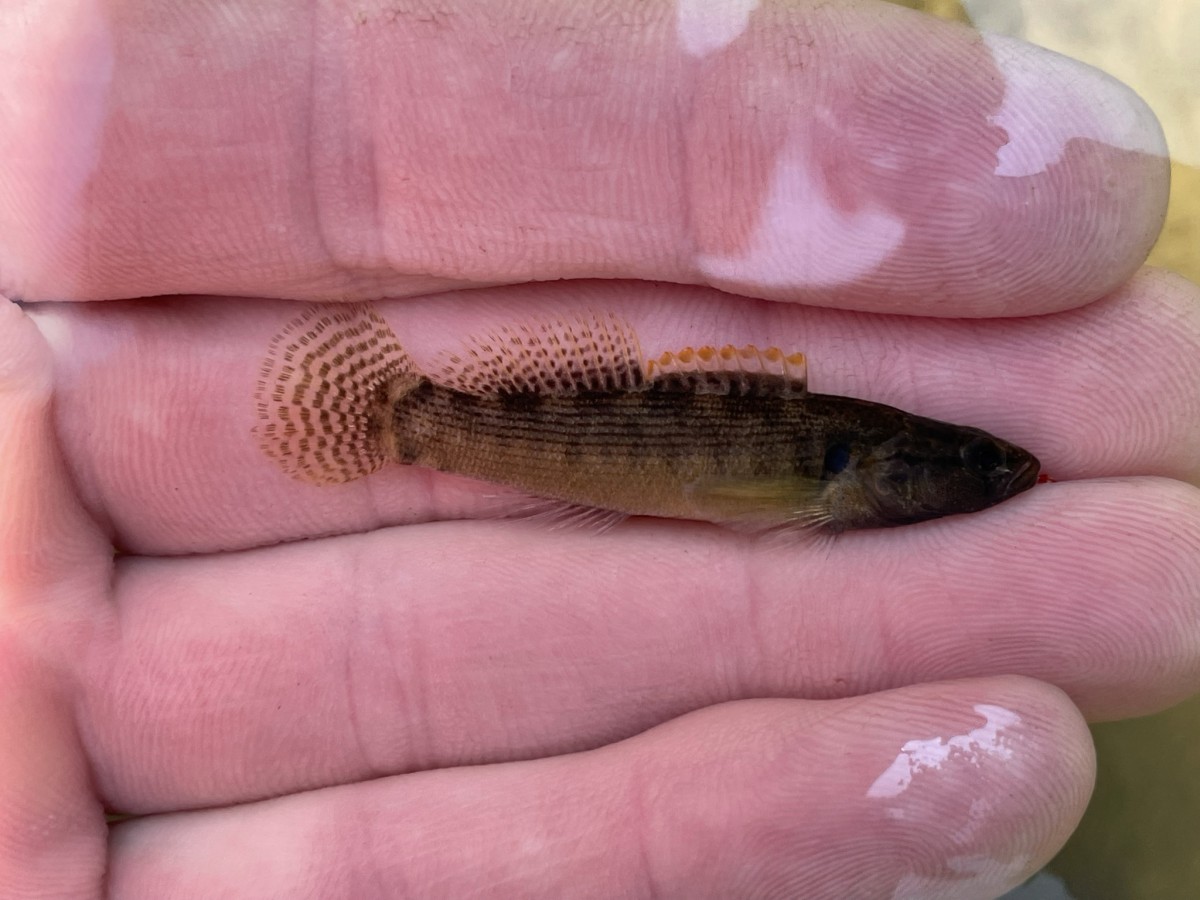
1004, 468
1023, 474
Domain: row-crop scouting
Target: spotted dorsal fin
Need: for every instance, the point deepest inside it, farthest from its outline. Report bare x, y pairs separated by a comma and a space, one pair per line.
564, 356
730, 370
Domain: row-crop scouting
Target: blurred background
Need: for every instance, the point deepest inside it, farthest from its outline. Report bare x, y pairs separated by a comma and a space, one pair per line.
1141, 835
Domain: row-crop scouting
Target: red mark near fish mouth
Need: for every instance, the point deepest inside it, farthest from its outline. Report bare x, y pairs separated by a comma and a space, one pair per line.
1043, 478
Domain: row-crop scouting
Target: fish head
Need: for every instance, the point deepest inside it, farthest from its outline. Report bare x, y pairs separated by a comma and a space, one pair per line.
925, 470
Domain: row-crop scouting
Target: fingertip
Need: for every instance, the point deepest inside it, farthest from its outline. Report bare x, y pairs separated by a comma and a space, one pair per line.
991, 788
946, 789
984, 176
1052, 99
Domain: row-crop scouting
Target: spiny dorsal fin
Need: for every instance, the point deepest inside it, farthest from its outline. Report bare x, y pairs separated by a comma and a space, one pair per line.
324, 394
730, 369
588, 353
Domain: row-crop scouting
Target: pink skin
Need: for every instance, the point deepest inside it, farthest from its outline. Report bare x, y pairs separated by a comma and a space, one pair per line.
413, 703
341, 149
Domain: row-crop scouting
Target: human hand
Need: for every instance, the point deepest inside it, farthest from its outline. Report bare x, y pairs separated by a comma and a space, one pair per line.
433, 705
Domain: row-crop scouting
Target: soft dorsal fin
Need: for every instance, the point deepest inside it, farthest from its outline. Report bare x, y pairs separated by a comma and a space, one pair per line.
588, 353
730, 369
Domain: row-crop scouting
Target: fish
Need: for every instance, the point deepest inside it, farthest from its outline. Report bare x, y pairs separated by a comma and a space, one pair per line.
571, 412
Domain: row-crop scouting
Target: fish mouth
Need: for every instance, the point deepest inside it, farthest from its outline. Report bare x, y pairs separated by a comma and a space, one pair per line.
1024, 476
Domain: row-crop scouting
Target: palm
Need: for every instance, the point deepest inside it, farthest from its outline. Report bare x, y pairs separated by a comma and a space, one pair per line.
221, 660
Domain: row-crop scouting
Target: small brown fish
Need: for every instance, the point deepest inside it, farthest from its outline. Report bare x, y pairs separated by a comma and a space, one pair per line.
572, 412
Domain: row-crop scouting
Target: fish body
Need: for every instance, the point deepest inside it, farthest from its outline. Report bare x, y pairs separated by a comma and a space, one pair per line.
571, 412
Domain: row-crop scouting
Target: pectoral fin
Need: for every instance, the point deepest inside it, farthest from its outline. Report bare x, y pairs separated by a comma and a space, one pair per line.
761, 504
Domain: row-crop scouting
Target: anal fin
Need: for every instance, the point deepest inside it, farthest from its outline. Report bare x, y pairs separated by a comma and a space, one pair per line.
561, 515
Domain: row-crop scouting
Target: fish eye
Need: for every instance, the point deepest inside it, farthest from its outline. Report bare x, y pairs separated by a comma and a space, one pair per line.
983, 456
837, 457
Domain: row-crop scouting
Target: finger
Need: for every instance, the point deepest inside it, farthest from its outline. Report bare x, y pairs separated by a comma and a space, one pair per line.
848, 154
956, 790
155, 401
314, 663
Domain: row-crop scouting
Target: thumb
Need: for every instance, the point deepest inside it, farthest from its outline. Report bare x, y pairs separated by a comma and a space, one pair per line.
52, 835
46, 537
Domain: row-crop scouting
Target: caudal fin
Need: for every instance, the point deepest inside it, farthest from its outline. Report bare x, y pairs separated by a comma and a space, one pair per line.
324, 394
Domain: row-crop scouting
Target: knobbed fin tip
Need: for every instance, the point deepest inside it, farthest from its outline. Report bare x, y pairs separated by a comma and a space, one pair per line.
731, 369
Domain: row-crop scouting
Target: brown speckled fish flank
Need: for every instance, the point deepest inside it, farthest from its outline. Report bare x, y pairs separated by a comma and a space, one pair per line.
573, 412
